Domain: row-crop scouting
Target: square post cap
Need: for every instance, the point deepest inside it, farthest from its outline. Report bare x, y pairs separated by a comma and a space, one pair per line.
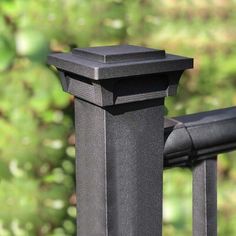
107, 65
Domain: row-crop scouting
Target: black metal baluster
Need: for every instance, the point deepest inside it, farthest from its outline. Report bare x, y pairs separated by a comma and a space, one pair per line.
205, 198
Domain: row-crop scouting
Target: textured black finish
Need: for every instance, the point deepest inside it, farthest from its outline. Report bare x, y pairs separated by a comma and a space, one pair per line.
123, 53
121, 90
205, 198
119, 169
119, 120
118, 61
199, 136
112, 75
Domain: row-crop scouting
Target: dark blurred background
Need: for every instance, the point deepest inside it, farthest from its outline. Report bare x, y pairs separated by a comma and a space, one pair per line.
36, 118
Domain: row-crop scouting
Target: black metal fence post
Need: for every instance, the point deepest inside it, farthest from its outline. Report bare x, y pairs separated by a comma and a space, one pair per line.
119, 114
205, 198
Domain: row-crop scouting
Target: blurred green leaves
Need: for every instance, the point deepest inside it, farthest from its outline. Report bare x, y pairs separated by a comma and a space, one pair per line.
36, 174
7, 53
32, 44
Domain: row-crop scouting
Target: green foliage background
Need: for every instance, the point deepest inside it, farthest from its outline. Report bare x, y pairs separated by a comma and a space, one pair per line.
36, 117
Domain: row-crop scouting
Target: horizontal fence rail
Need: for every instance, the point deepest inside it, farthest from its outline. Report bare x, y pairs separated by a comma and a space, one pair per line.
194, 141
195, 137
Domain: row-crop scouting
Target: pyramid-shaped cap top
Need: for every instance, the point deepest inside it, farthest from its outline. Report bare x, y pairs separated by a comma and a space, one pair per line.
121, 53
118, 61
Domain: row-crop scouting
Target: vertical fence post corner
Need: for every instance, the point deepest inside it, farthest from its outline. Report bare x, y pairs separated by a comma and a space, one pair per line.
119, 113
